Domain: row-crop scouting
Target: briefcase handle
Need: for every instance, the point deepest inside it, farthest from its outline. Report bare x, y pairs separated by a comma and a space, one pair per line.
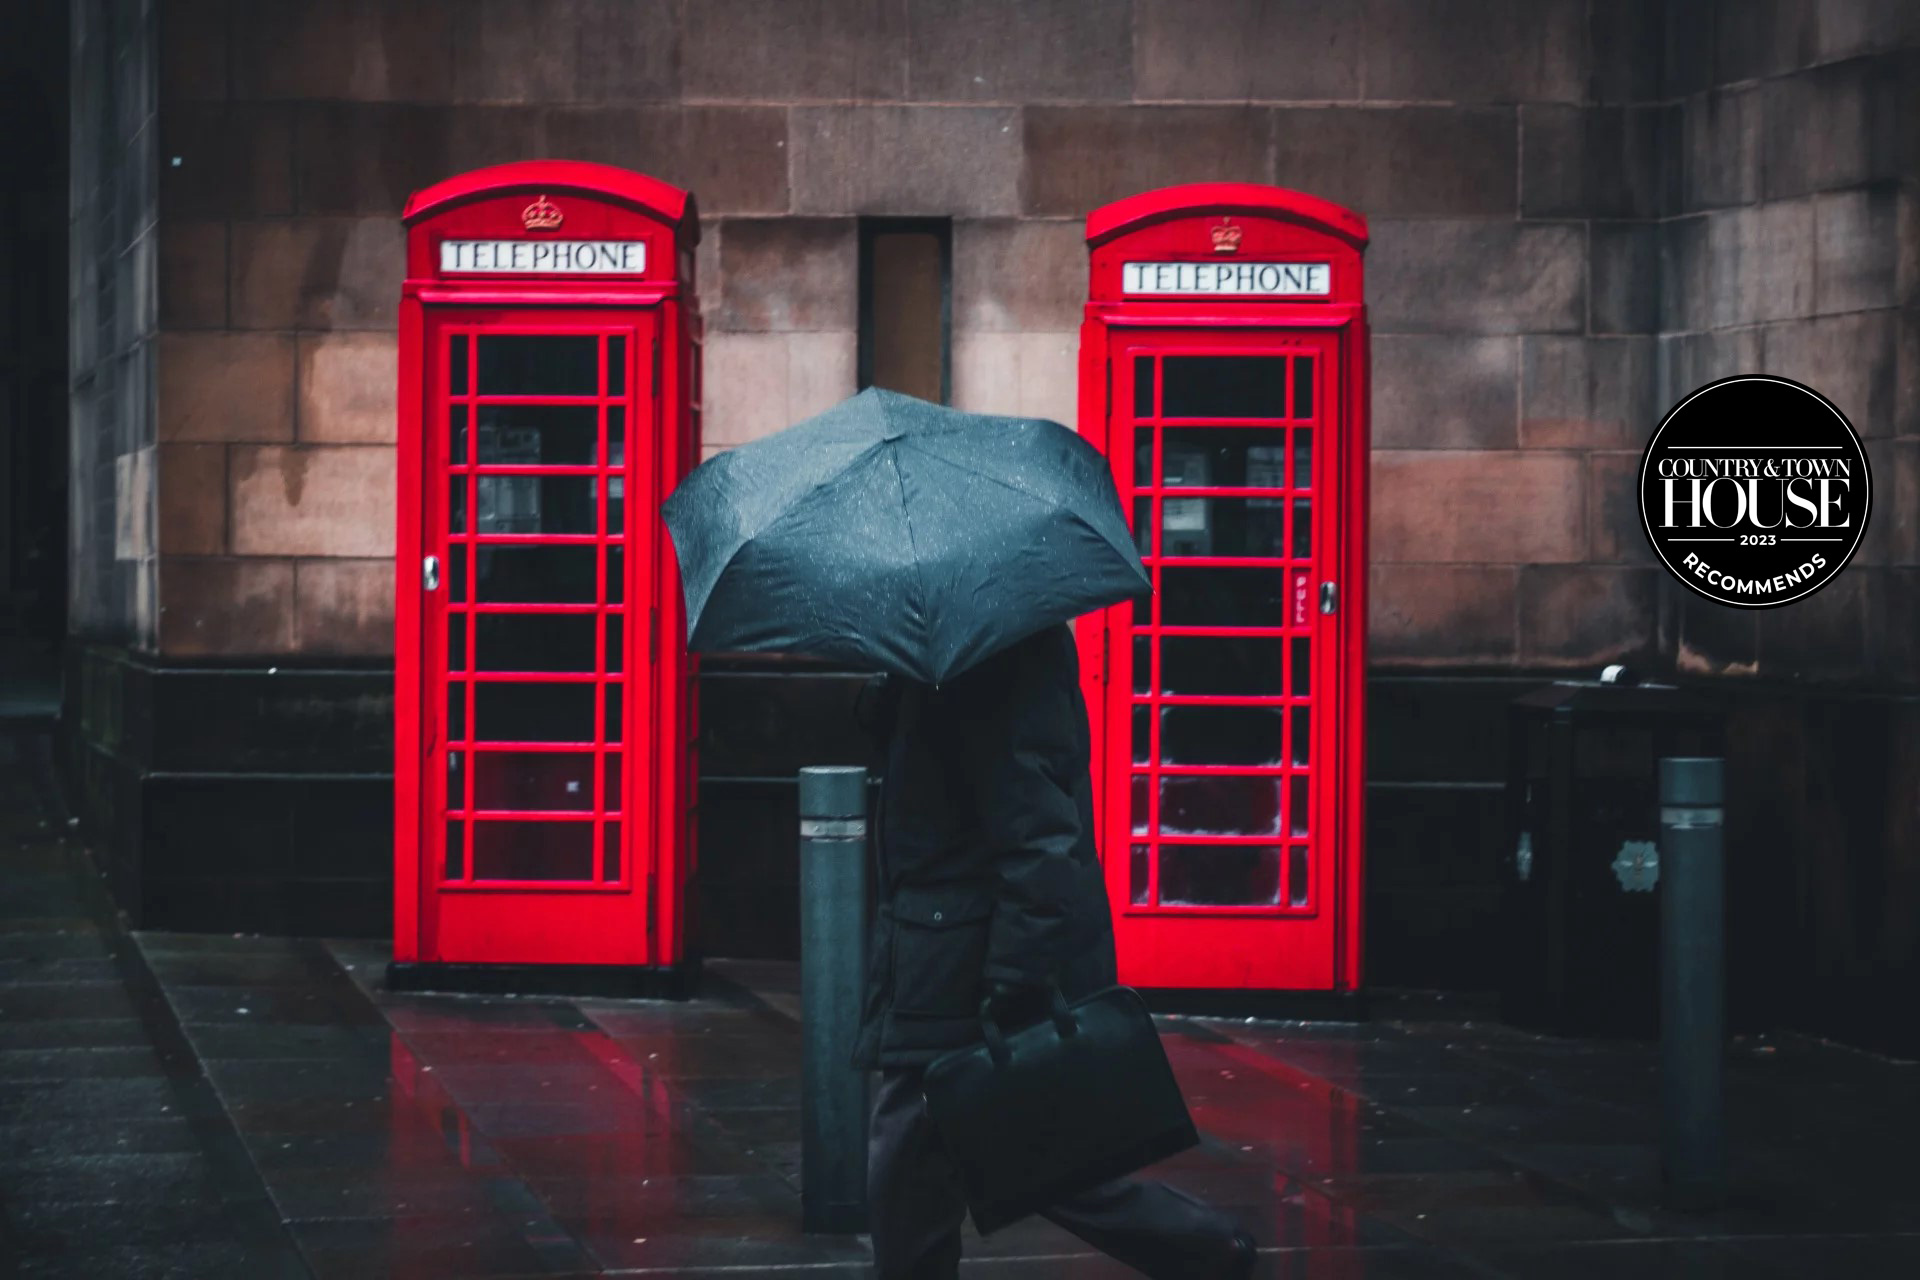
997, 1041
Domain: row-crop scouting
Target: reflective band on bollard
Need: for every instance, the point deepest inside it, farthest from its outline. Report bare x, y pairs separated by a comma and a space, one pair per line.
833, 937
833, 828
1693, 1143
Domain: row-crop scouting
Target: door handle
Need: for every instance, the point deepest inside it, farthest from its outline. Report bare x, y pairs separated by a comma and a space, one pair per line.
430, 573
1329, 597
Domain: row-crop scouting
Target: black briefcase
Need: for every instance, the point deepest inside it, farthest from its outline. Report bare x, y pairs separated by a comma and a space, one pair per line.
1036, 1114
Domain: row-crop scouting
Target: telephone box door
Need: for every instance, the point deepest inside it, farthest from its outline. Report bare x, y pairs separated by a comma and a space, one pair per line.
536, 702
1219, 699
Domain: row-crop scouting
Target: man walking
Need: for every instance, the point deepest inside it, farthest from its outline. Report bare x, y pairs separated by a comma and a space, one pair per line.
990, 891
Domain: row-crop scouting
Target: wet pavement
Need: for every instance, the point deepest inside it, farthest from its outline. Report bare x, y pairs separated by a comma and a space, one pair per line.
211, 1106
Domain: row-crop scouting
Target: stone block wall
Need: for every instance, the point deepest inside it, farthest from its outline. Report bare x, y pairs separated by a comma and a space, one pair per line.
1579, 212
1793, 247
292, 134
281, 257
112, 295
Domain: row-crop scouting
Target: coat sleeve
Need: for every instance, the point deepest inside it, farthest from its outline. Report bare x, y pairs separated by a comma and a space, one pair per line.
1019, 750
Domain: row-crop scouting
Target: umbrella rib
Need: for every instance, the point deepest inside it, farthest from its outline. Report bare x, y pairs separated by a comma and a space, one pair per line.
913, 545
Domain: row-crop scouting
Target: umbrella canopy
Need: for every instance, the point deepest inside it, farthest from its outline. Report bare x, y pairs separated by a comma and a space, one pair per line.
895, 533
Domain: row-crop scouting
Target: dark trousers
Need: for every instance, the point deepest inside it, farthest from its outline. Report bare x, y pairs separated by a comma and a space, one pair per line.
916, 1203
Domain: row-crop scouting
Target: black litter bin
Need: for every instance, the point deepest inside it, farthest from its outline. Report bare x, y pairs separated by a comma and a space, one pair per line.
1581, 867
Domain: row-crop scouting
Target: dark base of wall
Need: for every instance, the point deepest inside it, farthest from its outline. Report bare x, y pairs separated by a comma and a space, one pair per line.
235, 799
260, 800
1823, 820
605, 981
761, 722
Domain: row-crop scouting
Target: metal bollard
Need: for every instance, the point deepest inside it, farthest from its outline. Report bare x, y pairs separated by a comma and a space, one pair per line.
1693, 1143
833, 937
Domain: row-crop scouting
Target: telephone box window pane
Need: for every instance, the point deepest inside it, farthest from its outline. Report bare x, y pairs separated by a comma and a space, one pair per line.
616, 699
1302, 458
457, 364
1302, 734
533, 851
534, 642
1223, 527
1141, 607
1297, 886
457, 642
457, 505
538, 504
1223, 386
457, 574
610, 771
1247, 665
1196, 597
457, 436
616, 435
1143, 457
1302, 528
616, 643
456, 782
1141, 800
1302, 668
1143, 386
1297, 805
617, 365
456, 851
1224, 458
1219, 875
616, 575
533, 713
1183, 526
539, 365
1139, 870
610, 852
539, 435
456, 711
1143, 735
537, 575
616, 502
1303, 386
533, 781
1142, 664
1219, 806
1222, 735
1143, 525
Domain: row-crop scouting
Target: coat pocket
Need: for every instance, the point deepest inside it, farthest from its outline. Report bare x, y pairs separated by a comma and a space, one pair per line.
939, 949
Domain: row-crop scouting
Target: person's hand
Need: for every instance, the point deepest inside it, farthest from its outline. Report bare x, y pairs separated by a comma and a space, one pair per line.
1016, 1004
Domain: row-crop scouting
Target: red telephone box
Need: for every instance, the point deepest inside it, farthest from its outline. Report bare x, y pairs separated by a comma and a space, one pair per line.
1224, 374
546, 408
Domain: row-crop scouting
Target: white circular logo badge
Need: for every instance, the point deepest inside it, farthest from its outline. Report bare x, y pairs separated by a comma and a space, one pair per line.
1754, 491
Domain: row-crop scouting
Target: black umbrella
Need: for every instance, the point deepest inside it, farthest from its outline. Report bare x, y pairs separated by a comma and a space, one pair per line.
894, 533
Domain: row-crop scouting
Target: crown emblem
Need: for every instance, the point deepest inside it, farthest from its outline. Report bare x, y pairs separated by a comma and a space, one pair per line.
542, 215
1226, 237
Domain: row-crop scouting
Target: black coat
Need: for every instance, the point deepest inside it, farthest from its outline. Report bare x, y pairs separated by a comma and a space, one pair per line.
987, 866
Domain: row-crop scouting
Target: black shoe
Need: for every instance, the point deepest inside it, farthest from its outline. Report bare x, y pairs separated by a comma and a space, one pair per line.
1243, 1255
